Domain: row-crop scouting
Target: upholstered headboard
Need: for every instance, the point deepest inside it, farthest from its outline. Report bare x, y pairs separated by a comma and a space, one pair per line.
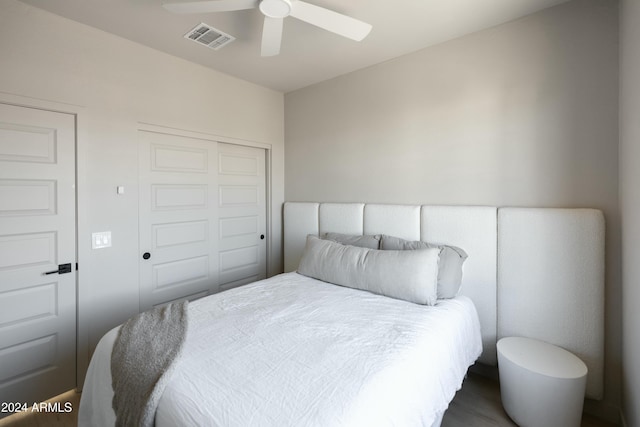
534, 272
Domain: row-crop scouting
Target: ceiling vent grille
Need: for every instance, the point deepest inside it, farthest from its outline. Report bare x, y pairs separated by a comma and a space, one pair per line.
208, 36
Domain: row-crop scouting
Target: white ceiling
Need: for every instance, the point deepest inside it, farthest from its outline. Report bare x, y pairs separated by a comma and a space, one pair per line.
309, 54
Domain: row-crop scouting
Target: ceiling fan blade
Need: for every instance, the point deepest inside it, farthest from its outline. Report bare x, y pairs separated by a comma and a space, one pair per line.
271, 36
329, 20
211, 6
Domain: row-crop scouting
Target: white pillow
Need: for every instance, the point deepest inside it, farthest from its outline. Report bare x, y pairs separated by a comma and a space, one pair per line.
406, 275
449, 268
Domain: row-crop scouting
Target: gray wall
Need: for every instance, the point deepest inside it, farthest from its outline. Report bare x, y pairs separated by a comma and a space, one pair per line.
523, 114
118, 84
630, 205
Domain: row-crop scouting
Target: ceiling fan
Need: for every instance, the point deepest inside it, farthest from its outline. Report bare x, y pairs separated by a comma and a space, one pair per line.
274, 12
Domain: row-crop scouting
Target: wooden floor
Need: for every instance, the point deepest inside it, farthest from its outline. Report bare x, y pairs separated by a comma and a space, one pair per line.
477, 404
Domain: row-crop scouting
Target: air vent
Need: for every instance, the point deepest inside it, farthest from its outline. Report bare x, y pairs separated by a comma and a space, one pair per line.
208, 36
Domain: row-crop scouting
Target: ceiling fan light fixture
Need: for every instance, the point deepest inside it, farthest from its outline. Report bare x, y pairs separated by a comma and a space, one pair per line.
275, 8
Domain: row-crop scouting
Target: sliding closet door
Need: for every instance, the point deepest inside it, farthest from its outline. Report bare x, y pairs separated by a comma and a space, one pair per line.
202, 214
37, 255
178, 218
242, 215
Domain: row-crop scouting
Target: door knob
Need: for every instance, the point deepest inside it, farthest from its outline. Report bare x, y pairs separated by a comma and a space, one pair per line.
146, 255
62, 269
262, 237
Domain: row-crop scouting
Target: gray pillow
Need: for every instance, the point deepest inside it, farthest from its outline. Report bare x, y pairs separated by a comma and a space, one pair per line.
407, 275
366, 241
449, 268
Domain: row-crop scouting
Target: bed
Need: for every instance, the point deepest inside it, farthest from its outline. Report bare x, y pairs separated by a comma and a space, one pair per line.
293, 350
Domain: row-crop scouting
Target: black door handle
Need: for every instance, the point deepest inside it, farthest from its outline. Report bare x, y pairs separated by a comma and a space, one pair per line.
146, 255
262, 237
62, 269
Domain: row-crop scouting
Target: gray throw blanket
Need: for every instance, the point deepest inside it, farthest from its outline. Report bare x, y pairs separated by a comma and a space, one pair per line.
144, 356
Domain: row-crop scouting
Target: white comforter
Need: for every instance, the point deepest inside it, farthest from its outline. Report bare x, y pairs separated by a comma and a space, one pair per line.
294, 351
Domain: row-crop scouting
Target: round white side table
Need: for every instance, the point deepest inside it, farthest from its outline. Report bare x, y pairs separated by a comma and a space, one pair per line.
540, 384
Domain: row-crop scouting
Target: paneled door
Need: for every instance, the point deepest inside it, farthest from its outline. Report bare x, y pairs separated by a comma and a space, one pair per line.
177, 213
242, 215
37, 254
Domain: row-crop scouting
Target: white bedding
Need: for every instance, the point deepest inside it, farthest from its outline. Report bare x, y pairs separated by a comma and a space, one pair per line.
294, 351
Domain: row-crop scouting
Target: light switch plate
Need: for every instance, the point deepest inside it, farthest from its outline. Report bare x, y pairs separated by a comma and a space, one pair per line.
101, 240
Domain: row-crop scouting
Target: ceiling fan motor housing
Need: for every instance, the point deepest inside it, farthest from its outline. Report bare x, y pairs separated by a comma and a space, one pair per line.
275, 8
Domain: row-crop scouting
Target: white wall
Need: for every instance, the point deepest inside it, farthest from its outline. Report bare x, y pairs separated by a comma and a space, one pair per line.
630, 205
120, 83
523, 114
